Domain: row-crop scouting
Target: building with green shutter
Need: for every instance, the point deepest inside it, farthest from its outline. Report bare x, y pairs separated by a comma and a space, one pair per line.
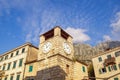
12, 63
107, 64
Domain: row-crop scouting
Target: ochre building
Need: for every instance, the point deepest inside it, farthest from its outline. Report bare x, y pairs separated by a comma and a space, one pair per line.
12, 63
107, 65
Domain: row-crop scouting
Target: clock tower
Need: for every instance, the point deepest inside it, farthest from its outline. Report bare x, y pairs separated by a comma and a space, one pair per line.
55, 58
56, 41
55, 55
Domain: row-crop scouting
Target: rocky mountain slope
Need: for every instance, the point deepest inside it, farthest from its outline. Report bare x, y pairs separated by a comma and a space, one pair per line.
85, 52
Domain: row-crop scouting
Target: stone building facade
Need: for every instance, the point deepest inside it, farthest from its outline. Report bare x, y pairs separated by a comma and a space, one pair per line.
107, 64
12, 63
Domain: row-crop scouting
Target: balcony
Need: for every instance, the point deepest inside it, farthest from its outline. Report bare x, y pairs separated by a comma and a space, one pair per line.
109, 61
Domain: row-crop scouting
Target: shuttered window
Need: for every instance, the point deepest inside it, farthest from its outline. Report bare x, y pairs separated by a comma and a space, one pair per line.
20, 62
14, 64
114, 66
5, 78
83, 68
23, 50
17, 53
30, 68
3, 67
11, 78
99, 59
8, 66
18, 77
109, 68
116, 79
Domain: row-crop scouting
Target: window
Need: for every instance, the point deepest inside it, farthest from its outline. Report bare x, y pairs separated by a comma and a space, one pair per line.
6, 57
17, 53
18, 77
2, 58
11, 55
14, 64
102, 70
23, 50
116, 79
83, 68
117, 54
20, 62
114, 67
5, 78
100, 59
67, 69
30, 68
119, 66
11, 78
109, 56
8, 66
3, 67
109, 68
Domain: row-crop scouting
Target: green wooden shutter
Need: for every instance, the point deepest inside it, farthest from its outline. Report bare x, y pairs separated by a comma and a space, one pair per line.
14, 64
114, 66
3, 67
17, 53
8, 66
5, 78
109, 68
116, 79
20, 62
30, 68
18, 77
11, 78
23, 50
83, 68
100, 59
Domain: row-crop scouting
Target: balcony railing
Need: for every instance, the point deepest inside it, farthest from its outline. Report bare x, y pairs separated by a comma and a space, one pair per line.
109, 61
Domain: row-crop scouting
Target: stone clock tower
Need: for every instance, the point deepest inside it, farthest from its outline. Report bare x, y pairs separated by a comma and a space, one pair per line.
55, 41
55, 58
55, 55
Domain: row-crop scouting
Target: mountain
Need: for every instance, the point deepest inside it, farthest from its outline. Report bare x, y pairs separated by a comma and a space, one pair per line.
85, 52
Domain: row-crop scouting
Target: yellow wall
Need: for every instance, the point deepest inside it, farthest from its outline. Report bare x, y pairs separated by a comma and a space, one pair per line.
97, 65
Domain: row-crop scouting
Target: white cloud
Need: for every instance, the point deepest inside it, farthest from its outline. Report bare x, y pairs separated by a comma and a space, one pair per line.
106, 38
78, 34
116, 26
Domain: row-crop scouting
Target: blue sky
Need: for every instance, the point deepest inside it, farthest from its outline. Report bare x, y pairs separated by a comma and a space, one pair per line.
88, 21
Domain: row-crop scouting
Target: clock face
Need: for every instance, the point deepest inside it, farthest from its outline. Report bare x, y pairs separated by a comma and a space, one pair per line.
46, 47
67, 48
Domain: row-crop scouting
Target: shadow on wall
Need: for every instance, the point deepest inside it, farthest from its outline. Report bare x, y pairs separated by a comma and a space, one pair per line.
52, 73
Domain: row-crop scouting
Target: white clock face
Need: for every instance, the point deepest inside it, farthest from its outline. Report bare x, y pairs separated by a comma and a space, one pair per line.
67, 48
46, 47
